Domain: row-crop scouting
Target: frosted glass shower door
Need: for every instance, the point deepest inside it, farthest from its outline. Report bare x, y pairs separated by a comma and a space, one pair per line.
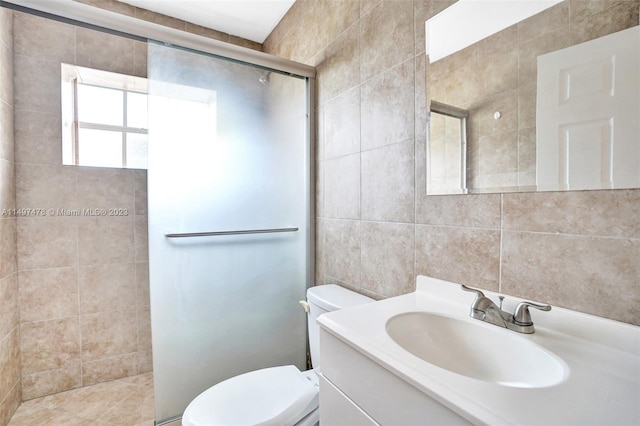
229, 226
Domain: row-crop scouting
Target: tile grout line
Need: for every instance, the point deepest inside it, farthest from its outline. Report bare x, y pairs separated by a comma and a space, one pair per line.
77, 176
135, 271
500, 247
359, 86
77, 266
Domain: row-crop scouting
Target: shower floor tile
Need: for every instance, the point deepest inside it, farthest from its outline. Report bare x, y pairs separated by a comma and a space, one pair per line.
125, 402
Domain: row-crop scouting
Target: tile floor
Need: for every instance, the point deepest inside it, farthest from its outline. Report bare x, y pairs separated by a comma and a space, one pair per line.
126, 402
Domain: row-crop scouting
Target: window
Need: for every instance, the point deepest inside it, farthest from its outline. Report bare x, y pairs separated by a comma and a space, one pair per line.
104, 118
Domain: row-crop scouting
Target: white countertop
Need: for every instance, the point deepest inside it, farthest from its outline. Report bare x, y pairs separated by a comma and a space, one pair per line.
603, 359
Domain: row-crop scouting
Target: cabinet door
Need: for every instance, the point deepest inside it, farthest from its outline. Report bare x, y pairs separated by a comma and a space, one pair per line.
382, 395
336, 409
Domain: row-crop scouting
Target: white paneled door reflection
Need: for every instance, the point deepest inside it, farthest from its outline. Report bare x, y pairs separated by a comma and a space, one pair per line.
588, 115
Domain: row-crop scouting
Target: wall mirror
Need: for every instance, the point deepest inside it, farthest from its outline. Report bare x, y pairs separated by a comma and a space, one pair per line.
545, 99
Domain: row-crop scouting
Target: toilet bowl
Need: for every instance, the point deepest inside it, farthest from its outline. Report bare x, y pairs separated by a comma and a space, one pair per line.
278, 396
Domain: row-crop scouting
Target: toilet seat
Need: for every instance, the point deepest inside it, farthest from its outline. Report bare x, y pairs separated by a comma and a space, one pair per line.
271, 396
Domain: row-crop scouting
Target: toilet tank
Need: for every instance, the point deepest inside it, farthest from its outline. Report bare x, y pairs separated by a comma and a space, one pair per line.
327, 298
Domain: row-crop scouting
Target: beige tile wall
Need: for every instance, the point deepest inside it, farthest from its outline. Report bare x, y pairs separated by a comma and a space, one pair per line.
10, 384
377, 229
83, 281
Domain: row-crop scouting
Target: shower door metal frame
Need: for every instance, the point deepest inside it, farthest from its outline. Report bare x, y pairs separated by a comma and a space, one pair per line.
127, 26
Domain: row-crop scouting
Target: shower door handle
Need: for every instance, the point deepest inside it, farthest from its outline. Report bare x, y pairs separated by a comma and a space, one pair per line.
220, 233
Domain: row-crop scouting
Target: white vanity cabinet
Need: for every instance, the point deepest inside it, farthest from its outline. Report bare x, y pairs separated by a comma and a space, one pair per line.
576, 369
356, 391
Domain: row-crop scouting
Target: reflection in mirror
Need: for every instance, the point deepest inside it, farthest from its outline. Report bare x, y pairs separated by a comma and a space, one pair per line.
447, 149
509, 136
588, 114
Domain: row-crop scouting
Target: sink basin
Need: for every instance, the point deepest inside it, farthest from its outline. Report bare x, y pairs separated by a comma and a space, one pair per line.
479, 351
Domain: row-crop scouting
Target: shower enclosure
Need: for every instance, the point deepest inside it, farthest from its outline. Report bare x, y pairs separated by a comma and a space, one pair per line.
230, 231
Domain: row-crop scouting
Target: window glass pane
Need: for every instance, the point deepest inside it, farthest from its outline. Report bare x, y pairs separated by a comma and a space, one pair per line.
137, 110
136, 151
99, 148
100, 105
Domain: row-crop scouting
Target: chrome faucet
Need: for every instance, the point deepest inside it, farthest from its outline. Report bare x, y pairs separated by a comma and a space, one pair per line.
484, 309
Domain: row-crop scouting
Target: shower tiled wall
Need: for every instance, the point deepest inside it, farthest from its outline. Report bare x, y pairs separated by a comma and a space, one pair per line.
10, 389
377, 229
74, 290
83, 281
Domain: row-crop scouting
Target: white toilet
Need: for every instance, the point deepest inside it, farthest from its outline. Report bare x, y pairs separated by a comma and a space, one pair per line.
279, 396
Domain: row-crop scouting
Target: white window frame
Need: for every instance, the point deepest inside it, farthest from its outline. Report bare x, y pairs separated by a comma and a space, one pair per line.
72, 77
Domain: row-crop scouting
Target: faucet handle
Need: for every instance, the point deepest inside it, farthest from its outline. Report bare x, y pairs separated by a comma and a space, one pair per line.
521, 315
472, 290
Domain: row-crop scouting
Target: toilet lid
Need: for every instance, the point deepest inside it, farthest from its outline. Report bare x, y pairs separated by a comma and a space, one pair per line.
271, 396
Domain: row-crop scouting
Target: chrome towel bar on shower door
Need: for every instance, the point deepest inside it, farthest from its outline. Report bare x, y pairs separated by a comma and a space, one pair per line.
240, 232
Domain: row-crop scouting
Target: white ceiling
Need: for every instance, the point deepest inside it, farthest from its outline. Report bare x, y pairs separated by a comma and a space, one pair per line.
250, 19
